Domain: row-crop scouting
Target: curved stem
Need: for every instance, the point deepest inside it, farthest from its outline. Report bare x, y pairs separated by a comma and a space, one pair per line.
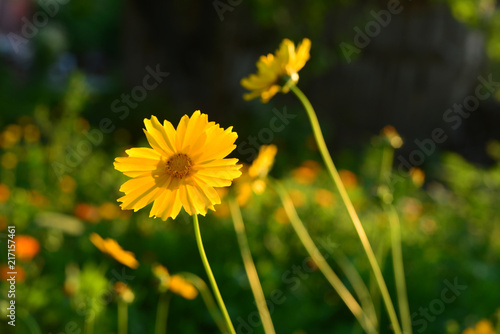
162, 312
250, 269
320, 261
358, 285
210, 275
206, 295
318, 135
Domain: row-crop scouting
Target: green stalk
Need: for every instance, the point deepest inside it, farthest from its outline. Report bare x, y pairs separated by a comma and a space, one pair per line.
162, 312
318, 135
399, 272
320, 261
211, 277
206, 295
250, 269
358, 285
122, 317
396, 247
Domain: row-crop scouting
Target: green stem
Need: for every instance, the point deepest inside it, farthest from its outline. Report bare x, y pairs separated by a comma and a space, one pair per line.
89, 324
250, 269
162, 312
206, 295
122, 317
320, 261
211, 277
350, 208
358, 285
399, 272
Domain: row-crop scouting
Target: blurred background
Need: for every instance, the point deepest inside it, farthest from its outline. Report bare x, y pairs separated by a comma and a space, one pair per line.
78, 77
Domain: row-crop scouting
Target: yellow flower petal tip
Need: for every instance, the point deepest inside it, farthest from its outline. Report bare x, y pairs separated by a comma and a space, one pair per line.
181, 169
111, 247
277, 72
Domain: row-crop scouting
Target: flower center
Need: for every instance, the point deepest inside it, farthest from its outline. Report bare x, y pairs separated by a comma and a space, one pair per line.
179, 165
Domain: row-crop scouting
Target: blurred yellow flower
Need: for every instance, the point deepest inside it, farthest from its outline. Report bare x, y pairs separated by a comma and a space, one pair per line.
108, 210
111, 247
182, 287
277, 72
392, 136
181, 169
253, 177
10, 136
175, 283
31, 133
281, 216
484, 326
262, 164
417, 176
26, 247
67, 184
9, 160
124, 292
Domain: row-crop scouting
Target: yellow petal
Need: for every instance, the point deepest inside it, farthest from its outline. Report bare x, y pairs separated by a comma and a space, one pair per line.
139, 192
158, 137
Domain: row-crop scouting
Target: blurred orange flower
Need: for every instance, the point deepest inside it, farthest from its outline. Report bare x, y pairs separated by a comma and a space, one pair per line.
87, 212
307, 172
111, 247
20, 274
348, 178
26, 247
324, 198
4, 193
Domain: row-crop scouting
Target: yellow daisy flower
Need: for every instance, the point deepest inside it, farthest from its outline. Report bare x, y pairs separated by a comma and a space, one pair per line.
277, 72
181, 169
111, 247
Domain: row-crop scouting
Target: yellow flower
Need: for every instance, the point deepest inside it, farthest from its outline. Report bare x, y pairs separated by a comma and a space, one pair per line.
181, 169
277, 72
175, 283
253, 178
262, 164
124, 292
392, 136
482, 327
112, 248
182, 287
